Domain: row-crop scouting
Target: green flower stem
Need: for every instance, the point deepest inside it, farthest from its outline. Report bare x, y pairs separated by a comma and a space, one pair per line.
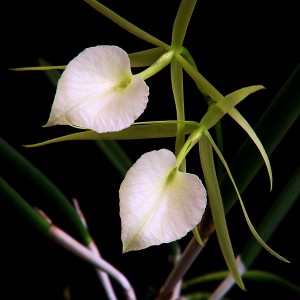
181, 22
161, 63
126, 25
22, 208
218, 128
192, 140
38, 181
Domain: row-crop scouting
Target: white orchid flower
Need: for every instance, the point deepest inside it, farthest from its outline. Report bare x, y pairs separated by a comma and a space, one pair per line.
97, 91
158, 203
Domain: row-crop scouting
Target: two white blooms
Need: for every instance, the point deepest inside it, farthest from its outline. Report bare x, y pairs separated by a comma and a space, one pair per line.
158, 203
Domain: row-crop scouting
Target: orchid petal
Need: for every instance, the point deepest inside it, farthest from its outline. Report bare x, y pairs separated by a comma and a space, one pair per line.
158, 203
97, 91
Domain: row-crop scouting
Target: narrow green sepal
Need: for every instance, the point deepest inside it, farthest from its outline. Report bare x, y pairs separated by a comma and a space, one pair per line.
217, 209
249, 223
147, 130
217, 110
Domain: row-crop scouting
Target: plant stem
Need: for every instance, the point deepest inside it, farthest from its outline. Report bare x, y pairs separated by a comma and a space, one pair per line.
103, 277
206, 228
73, 246
285, 116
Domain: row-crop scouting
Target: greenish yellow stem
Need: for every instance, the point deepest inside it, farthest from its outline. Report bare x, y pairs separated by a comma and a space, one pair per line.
218, 128
192, 140
161, 63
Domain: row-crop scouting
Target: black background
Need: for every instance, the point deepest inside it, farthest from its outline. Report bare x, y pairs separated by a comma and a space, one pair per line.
235, 44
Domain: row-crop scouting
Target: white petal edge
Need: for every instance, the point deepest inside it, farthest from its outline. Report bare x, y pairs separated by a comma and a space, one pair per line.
155, 210
89, 96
